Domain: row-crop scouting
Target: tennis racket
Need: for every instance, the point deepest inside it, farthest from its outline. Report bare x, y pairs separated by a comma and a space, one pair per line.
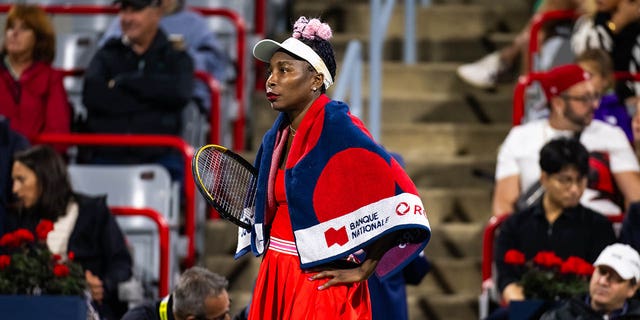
227, 182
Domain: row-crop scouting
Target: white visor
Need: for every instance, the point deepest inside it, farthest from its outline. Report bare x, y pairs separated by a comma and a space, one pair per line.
264, 49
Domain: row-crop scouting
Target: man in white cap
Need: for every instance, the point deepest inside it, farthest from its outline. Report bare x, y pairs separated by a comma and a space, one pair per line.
613, 282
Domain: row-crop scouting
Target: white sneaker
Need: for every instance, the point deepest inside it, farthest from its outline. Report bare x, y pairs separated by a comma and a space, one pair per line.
482, 73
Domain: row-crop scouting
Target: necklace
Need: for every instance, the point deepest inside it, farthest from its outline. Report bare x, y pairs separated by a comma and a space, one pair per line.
293, 131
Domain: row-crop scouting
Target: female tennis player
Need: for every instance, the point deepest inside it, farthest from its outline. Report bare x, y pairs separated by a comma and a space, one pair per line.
332, 206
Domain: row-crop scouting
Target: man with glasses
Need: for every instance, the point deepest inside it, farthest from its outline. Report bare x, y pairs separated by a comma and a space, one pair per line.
199, 295
613, 282
614, 179
558, 222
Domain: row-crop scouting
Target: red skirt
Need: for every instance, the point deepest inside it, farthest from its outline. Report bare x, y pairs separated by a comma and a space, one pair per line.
283, 291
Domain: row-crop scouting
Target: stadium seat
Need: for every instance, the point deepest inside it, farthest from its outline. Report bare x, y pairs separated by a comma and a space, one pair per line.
138, 186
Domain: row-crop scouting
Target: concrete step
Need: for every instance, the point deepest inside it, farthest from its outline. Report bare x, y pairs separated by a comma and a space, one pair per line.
446, 205
452, 172
355, 18
459, 240
422, 140
429, 21
220, 238
450, 306
430, 108
457, 276
426, 78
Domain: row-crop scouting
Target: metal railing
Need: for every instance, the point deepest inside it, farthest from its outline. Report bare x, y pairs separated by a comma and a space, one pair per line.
537, 23
379, 21
350, 77
163, 235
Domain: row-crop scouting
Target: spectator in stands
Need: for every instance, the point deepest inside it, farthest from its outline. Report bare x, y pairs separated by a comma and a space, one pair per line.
139, 85
316, 168
199, 294
572, 100
201, 43
599, 65
10, 143
32, 95
486, 72
82, 225
558, 222
613, 282
615, 28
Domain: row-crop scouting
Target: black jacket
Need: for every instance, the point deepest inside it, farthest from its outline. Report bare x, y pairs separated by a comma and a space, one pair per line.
98, 245
578, 231
10, 142
578, 309
140, 94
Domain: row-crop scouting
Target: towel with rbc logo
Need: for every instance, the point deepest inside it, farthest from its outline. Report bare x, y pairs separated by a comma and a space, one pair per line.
344, 191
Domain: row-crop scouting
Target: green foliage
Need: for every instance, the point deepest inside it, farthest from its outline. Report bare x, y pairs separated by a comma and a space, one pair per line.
31, 269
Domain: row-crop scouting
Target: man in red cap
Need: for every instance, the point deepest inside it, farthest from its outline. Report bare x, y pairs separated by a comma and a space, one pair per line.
572, 101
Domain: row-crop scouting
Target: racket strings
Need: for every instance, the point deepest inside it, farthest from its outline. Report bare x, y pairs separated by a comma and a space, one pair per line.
231, 185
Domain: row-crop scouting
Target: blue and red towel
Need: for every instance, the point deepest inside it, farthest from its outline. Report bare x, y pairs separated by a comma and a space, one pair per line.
344, 191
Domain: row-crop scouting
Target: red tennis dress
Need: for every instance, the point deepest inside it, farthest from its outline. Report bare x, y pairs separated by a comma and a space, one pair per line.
283, 290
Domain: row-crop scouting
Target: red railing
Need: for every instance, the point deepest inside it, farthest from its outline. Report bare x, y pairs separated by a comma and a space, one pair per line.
142, 141
518, 95
487, 244
163, 233
236, 20
537, 23
240, 122
214, 113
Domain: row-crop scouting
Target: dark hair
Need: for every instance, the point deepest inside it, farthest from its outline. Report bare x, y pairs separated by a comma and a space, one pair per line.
325, 50
602, 60
194, 286
53, 180
37, 20
562, 153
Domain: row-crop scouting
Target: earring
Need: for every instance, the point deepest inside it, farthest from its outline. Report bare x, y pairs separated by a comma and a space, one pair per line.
314, 89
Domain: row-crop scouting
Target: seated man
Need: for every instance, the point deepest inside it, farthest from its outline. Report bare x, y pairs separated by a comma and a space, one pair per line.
138, 84
558, 222
614, 177
201, 43
613, 283
199, 294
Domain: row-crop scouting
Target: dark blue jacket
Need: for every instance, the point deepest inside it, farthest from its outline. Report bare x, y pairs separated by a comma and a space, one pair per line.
10, 142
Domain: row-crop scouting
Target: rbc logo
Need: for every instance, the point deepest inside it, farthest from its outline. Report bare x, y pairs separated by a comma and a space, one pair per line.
403, 208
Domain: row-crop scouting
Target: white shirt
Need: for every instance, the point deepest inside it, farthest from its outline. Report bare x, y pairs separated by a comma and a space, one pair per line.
58, 238
520, 155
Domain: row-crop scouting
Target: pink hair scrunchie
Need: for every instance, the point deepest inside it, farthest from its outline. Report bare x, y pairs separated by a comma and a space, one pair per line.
310, 29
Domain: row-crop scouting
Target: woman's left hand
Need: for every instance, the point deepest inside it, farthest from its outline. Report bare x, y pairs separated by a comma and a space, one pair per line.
341, 276
95, 286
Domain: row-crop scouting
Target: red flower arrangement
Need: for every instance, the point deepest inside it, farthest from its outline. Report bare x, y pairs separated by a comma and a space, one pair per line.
28, 267
549, 277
